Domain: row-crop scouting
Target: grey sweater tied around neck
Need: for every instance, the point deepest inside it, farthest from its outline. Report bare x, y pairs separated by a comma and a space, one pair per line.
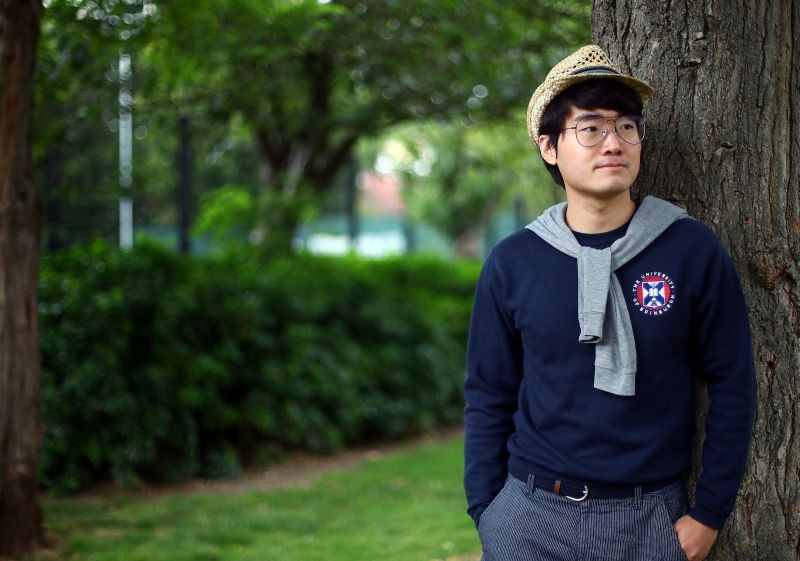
602, 312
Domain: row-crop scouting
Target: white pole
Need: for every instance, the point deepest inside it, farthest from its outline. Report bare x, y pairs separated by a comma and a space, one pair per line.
125, 153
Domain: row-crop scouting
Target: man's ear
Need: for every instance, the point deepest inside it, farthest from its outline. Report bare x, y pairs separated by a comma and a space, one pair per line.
547, 149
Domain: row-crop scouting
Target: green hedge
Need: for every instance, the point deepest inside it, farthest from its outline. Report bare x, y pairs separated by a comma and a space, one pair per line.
160, 367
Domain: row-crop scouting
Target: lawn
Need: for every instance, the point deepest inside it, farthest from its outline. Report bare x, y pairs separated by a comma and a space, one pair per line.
407, 506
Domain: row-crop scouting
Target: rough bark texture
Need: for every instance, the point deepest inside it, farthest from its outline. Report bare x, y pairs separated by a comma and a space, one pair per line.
20, 216
723, 140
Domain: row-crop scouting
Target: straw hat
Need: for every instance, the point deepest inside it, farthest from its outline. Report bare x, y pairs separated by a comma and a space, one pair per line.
584, 64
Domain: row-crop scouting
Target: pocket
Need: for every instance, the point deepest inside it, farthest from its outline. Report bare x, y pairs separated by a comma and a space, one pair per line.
492, 504
673, 543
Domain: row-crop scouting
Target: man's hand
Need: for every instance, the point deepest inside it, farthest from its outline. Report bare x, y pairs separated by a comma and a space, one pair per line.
695, 538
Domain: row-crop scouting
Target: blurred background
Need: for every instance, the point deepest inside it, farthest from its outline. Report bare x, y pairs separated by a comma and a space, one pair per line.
263, 223
377, 127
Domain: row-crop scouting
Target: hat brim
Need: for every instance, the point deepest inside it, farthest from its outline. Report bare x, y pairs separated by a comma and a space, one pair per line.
541, 99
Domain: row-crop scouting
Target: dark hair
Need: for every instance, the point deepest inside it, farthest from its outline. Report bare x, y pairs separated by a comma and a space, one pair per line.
597, 93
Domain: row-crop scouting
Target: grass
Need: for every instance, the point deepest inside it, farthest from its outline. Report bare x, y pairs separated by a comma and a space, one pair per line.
408, 506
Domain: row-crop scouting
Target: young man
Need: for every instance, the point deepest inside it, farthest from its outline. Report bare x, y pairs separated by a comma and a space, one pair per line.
588, 330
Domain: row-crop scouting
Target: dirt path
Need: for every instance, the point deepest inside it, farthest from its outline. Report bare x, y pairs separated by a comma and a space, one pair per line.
296, 469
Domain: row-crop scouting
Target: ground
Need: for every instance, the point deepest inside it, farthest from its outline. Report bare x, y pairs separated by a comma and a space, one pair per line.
299, 467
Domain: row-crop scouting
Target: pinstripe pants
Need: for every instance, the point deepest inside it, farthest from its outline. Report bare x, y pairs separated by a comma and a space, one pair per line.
524, 523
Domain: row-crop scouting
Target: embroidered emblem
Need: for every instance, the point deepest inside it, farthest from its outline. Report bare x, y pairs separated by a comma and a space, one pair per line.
654, 293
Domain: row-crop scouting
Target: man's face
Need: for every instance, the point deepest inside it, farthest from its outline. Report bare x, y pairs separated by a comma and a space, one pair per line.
602, 171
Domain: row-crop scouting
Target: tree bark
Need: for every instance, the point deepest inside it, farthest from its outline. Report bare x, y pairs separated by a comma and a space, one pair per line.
723, 140
20, 220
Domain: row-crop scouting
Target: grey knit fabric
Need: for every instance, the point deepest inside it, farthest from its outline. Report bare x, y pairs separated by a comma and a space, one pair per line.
602, 313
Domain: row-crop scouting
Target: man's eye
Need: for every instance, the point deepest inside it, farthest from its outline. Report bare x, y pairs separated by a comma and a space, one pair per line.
589, 128
627, 126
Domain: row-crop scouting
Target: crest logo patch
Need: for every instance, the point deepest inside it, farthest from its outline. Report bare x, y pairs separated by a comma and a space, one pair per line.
654, 293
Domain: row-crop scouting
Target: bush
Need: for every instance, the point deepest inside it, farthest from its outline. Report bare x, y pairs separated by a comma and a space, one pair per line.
160, 367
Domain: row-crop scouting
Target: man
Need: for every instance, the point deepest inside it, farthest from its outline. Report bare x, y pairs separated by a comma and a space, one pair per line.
588, 329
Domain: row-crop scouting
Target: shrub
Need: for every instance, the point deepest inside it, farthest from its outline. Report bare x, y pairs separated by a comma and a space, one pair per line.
159, 367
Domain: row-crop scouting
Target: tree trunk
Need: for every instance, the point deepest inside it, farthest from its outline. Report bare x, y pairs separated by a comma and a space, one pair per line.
723, 140
467, 244
282, 194
294, 176
280, 220
20, 216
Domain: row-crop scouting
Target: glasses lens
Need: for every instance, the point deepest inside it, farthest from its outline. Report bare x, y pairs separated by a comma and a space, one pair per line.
630, 129
590, 130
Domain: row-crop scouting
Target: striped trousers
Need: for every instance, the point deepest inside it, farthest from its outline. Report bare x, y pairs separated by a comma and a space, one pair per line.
525, 523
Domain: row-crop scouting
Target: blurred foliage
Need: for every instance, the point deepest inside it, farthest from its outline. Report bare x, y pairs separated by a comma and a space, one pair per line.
159, 367
115, 19
232, 217
278, 92
227, 216
356, 67
74, 104
456, 178
312, 78
76, 126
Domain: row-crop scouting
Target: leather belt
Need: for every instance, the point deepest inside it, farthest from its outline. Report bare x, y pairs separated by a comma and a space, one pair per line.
581, 491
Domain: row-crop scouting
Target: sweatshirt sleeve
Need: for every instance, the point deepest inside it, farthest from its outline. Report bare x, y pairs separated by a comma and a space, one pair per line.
723, 357
494, 369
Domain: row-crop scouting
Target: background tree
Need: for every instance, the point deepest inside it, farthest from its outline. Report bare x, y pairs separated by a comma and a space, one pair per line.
456, 178
311, 78
724, 143
20, 424
77, 111
75, 126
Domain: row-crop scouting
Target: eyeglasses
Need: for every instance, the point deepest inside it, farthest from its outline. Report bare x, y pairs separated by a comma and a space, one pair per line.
590, 131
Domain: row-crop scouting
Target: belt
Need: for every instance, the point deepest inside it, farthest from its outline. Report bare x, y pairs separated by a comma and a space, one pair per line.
581, 491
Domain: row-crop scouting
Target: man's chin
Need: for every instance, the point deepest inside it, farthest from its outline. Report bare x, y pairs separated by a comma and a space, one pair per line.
604, 192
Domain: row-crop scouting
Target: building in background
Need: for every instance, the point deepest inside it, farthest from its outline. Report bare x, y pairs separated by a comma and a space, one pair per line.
382, 226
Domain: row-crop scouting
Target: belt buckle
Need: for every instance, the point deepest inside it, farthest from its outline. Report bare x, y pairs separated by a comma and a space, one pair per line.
579, 499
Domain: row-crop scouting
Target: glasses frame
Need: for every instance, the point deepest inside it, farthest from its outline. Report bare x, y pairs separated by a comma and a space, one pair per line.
605, 130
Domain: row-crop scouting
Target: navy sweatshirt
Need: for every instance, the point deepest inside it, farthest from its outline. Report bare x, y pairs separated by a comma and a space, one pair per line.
530, 402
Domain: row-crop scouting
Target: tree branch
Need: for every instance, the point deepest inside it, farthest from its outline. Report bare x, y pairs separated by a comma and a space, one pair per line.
326, 165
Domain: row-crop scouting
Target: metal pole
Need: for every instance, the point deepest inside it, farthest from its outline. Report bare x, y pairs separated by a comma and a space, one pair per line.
185, 188
53, 166
125, 153
351, 202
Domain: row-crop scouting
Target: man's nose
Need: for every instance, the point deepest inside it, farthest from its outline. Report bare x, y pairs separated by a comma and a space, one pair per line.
612, 142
